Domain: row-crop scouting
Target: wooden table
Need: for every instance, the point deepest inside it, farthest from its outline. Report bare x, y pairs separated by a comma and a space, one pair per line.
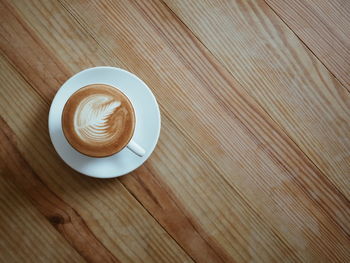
253, 162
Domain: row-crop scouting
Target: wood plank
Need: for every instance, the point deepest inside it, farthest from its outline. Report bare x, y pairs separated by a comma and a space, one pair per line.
281, 74
324, 26
245, 209
21, 225
100, 219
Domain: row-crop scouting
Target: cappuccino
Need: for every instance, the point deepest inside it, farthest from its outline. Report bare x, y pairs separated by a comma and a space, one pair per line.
98, 120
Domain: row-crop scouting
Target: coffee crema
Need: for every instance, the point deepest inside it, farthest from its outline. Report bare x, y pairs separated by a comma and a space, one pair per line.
98, 120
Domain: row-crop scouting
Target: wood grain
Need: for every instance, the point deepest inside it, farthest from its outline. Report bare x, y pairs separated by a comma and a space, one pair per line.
64, 218
225, 181
281, 74
22, 225
324, 26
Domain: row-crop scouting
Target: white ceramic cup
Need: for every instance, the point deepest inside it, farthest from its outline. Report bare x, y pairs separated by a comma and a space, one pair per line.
132, 145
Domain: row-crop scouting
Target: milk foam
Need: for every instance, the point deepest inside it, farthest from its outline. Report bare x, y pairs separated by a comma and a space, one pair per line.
91, 118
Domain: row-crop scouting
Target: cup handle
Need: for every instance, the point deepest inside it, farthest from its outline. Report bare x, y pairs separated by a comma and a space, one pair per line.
136, 149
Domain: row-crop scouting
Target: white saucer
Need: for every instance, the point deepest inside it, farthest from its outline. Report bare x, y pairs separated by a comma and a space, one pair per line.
146, 131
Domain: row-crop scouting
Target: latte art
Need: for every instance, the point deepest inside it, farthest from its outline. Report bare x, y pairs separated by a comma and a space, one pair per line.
92, 118
98, 120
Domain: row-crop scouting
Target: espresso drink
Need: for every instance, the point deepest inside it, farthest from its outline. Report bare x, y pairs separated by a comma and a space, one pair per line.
98, 120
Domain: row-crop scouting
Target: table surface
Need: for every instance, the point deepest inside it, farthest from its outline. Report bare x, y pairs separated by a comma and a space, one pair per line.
253, 161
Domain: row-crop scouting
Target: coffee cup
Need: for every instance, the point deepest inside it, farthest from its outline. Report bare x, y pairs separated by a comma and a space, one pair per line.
99, 120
